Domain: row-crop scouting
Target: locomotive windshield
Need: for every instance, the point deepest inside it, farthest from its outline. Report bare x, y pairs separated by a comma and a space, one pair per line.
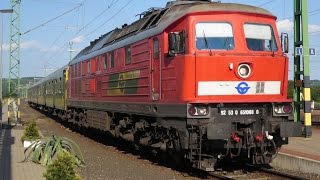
215, 36
260, 37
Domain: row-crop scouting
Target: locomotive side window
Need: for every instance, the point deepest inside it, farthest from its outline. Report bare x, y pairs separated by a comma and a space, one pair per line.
93, 63
215, 36
111, 59
83, 69
75, 73
79, 69
105, 61
155, 48
98, 62
128, 55
89, 67
260, 37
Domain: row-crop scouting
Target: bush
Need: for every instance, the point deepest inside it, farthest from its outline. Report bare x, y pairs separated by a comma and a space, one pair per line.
316, 105
31, 132
62, 168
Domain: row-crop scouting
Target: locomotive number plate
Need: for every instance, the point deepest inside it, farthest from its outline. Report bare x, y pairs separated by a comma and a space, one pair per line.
239, 112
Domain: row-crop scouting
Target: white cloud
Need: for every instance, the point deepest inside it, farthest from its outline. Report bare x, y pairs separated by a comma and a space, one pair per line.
285, 25
27, 45
5, 47
30, 45
78, 39
314, 29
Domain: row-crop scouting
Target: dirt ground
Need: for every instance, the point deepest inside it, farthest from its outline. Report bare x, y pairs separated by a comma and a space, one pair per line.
104, 161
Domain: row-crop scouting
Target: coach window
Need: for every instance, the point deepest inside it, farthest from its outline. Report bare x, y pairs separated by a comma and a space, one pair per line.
111, 59
128, 55
60, 85
215, 36
155, 48
260, 37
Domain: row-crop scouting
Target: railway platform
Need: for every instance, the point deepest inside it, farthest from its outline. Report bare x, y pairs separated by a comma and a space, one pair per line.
301, 154
11, 154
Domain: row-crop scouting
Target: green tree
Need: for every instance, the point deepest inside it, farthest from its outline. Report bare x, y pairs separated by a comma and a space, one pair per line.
315, 93
290, 89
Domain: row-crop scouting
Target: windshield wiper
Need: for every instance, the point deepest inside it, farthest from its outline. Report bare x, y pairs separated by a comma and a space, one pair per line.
206, 43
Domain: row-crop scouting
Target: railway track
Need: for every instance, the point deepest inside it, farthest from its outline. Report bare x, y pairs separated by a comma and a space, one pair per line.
282, 174
253, 173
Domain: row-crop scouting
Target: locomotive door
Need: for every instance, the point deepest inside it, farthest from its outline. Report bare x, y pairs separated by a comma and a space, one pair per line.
155, 70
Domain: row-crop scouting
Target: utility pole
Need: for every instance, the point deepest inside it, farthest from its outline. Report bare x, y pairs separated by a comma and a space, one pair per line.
301, 41
14, 63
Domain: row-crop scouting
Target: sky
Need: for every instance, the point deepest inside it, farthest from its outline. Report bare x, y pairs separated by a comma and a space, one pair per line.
46, 35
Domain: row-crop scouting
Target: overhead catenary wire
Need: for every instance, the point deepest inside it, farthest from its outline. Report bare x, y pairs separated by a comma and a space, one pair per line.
85, 26
43, 24
311, 13
109, 18
96, 17
66, 44
58, 37
53, 43
265, 3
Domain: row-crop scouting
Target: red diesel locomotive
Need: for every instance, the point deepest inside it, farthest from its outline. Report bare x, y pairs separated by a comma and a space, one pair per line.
200, 80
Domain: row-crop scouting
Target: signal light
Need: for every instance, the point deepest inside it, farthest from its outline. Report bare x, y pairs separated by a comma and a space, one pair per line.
192, 110
287, 108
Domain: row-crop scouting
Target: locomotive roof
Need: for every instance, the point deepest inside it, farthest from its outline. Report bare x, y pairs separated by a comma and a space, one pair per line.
54, 75
155, 21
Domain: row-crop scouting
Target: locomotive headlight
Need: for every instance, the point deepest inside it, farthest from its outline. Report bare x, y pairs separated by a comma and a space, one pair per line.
198, 110
282, 109
244, 70
202, 111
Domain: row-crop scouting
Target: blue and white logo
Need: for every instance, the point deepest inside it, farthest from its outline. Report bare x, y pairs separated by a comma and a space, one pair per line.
242, 88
